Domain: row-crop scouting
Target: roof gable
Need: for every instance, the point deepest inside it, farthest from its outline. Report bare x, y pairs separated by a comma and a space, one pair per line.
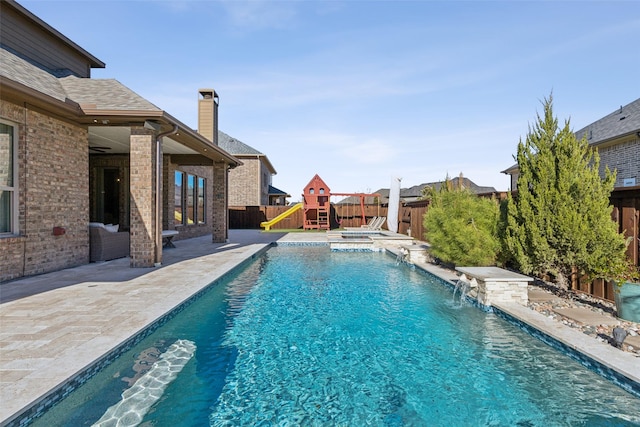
316, 183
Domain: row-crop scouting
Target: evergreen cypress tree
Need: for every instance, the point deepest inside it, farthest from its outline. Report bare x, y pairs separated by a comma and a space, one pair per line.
560, 221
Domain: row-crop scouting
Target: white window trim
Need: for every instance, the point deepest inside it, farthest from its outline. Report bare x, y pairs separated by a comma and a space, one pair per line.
15, 189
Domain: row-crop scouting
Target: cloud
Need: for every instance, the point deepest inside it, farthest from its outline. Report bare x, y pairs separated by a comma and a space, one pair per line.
366, 153
260, 14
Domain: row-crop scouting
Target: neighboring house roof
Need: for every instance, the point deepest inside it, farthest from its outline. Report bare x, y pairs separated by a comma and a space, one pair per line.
414, 193
273, 191
240, 149
622, 122
234, 146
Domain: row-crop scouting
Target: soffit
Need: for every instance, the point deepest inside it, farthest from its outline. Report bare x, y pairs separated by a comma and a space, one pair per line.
116, 140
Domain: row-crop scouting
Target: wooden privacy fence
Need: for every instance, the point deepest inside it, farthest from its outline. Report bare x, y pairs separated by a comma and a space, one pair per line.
409, 217
342, 215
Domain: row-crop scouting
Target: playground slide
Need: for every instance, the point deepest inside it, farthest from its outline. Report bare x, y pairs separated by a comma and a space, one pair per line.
267, 224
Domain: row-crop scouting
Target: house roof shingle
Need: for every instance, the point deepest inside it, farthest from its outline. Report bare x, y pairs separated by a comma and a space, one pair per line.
273, 191
414, 193
104, 94
623, 121
23, 72
236, 147
240, 149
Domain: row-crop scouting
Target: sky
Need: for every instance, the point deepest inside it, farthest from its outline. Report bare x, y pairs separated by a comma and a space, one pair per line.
360, 92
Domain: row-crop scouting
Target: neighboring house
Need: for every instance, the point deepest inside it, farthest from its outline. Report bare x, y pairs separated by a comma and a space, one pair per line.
616, 137
277, 197
250, 184
415, 193
75, 150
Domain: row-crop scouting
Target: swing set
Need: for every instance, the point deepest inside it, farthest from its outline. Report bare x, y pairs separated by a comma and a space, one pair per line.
351, 206
317, 205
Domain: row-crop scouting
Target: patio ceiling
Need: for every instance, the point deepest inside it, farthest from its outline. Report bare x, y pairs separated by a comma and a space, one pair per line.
116, 140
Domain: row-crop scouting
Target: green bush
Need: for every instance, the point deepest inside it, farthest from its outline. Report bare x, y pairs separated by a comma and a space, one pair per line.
462, 227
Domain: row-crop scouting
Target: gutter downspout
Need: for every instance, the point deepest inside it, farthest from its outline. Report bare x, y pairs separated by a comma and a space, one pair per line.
158, 245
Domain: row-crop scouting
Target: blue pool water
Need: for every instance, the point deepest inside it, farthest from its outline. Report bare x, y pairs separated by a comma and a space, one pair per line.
310, 337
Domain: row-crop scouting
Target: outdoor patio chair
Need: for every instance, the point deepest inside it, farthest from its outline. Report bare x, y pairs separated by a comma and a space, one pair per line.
379, 224
106, 245
376, 223
371, 221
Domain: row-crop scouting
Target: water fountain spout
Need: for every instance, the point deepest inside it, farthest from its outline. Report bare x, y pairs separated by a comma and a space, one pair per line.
463, 286
402, 256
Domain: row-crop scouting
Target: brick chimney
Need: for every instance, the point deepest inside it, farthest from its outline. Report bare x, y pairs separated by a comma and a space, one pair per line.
208, 114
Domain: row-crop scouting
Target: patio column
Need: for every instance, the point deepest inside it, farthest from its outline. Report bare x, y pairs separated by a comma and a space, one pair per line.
220, 213
143, 202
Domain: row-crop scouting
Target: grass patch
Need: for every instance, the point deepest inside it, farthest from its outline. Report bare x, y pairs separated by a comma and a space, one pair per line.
292, 230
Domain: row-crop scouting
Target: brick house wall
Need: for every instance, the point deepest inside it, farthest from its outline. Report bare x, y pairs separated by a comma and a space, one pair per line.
624, 158
220, 203
142, 186
245, 183
52, 177
265, 181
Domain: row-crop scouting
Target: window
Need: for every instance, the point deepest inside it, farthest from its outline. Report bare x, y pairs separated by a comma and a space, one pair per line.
200, 208
178, 206
191, 196
8, 180
190, 200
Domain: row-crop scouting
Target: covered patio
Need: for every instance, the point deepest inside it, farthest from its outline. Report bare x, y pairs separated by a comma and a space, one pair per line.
148, 172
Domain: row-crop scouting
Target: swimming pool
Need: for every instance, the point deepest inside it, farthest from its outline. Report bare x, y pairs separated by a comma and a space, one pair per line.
307, 336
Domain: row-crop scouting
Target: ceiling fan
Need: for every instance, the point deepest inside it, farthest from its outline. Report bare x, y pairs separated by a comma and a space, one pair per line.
100, 149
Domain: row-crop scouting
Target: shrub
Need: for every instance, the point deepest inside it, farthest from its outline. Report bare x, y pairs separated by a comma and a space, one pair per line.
462, 227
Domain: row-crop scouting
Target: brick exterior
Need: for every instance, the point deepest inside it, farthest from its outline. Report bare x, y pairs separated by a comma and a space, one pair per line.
219, 202
249, 183
624, 158
52, 177
142, 188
